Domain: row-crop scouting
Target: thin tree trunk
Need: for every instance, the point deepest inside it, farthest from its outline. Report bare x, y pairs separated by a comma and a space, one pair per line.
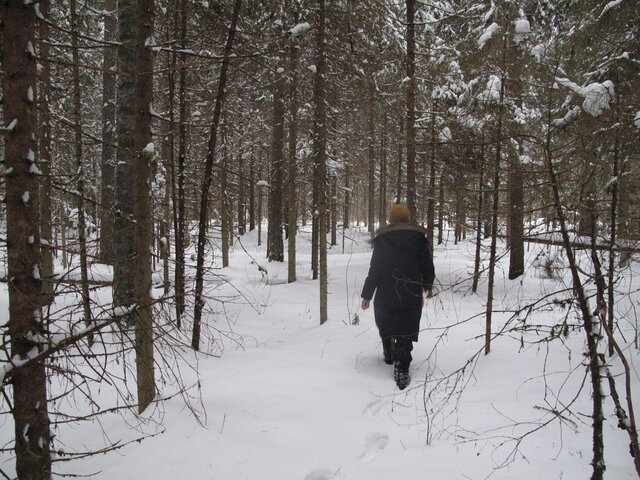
334, 210
411, 109
479, 213
77, 118
292, 167
382, 191
44, 149
29, 383
252, 192
494, 222
180, 220
431, 202
441, 206
320, 146
612, 242
108, 133
371, 187
583, 305
204, 200
399, 169
224, 199
242, 195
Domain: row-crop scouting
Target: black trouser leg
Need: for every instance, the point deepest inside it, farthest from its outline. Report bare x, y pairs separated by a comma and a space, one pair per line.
388, 349
403, 347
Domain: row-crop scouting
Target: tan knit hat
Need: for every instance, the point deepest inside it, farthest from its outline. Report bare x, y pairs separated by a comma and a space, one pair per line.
399, 213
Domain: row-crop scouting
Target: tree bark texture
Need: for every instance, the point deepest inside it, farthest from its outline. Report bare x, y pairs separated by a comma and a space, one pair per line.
30, 415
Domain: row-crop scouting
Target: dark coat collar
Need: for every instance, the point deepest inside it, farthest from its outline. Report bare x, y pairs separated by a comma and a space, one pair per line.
395, 227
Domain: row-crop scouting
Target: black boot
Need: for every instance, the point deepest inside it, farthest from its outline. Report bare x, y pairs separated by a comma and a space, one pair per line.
401, 375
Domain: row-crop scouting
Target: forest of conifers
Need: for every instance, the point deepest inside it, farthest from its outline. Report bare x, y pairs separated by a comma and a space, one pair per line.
129, 129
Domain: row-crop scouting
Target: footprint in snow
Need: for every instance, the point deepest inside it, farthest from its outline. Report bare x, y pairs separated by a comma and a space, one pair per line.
321, 474
375, 443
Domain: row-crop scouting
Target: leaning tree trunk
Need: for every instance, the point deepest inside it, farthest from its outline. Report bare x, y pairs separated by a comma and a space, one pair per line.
25, 325
208, 172
589, 323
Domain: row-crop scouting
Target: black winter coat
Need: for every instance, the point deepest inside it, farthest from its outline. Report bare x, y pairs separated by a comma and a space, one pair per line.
401, 269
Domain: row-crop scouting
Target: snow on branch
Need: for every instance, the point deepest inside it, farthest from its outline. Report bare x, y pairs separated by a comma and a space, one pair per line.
610, 6
299, 30
597, 96
488, 33
11, 127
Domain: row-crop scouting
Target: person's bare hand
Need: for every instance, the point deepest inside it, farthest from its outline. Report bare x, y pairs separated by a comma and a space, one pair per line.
365, 304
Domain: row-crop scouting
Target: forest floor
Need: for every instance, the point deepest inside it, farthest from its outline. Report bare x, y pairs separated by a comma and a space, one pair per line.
275, 395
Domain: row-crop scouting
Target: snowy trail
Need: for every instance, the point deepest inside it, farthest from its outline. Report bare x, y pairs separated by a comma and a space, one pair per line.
290, 399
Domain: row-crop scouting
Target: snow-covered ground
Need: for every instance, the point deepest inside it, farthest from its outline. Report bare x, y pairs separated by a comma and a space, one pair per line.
282, 397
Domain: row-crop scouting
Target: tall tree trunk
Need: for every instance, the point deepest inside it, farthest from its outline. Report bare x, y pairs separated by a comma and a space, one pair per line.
292, 166
29, 383
123, 269
589, 324
411, 109
371, 186
44, 149
77, 119
479, 213
334, 210
180, 220
382, 190
399, 169
225, 224
143, 210
252, 192
276, 169
494, 221
320, 146
206, 182
612, 243
441, 206
431, 202
242, 195
108, 133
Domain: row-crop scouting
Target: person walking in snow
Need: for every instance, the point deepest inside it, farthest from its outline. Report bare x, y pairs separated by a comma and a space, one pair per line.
400, 274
